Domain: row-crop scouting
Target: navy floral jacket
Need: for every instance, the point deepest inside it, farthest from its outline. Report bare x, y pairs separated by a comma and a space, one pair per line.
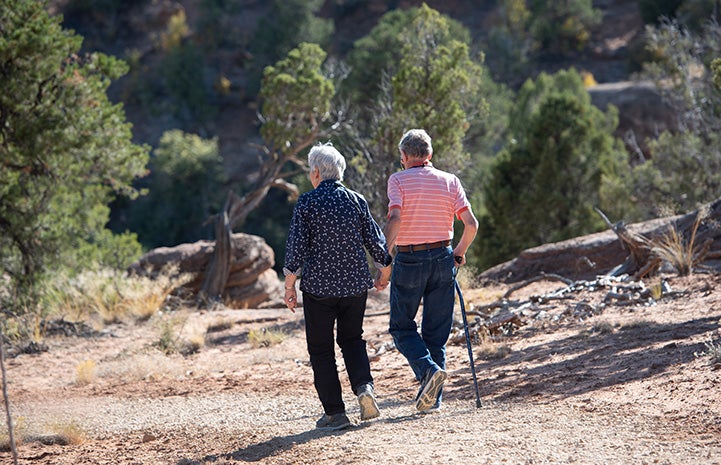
331, 229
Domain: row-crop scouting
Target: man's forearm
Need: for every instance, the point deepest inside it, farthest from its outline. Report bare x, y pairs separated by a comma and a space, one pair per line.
391, 230
470, 229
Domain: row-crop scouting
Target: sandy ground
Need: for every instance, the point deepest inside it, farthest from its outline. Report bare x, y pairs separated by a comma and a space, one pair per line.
579, 381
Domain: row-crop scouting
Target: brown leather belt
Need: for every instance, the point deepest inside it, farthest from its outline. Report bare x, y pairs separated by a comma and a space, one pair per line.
419, 247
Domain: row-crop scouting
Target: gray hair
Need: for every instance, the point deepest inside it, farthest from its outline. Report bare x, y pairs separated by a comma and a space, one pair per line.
328, 160
416, 143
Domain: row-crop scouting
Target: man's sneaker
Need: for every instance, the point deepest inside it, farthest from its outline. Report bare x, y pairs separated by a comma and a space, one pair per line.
333, 422
367, 402
430, 386
435, 408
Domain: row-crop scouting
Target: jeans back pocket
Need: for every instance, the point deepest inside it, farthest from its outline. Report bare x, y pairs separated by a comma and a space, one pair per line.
407, 274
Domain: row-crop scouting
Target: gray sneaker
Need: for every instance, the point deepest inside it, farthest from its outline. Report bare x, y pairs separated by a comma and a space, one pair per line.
333, 422
430, 386
367, 402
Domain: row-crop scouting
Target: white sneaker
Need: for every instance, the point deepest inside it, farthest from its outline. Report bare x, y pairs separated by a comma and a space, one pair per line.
367, 401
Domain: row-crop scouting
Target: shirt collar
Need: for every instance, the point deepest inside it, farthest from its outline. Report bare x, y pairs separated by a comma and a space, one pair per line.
329, 182
422, 164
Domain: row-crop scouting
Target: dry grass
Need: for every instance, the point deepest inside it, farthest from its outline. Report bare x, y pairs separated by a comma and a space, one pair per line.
28, 327
603, 327
657, 290
85, 372
220, 324
170, 329
178, 335
68, 433
193, 343
19, 432
265, 337
141, 367
493, 351
713, 351
467, 277
111, 296
682, 254
636, 324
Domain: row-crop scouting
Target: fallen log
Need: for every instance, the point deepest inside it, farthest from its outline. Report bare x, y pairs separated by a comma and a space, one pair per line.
609, 252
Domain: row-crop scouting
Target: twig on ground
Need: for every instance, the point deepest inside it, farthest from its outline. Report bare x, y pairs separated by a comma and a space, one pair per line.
541, 277
11, 435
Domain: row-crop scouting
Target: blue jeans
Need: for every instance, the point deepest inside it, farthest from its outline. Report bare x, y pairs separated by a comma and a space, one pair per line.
426, 274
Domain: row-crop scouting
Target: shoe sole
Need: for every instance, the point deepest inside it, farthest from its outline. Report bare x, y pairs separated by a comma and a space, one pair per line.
333, 428
430, 391
430, 411
368, 407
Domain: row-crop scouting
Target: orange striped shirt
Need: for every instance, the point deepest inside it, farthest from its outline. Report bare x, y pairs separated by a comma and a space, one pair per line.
428, 199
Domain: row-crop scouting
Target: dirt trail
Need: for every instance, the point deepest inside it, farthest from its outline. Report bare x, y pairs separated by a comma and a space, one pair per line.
628, 385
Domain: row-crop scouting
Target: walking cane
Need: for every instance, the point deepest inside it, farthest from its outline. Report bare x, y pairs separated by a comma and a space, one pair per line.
468, 337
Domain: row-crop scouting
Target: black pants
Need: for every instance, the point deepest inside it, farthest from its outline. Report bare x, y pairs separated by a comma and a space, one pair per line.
321, 315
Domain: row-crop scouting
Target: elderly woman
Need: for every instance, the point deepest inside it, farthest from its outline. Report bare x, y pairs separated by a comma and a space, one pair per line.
330, 232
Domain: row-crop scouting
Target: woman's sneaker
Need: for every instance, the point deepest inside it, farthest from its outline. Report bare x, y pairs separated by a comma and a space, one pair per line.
333, 422
367, 401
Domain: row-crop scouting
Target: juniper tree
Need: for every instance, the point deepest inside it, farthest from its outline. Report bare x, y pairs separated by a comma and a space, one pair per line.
65, 152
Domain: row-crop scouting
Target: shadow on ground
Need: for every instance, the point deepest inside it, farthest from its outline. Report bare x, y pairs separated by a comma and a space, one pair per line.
586, 362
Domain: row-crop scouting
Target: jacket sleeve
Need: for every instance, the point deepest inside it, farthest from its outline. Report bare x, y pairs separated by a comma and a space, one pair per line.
296, 246
373, 238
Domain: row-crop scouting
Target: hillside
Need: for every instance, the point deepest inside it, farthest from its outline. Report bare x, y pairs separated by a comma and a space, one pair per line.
602, 372
133, 34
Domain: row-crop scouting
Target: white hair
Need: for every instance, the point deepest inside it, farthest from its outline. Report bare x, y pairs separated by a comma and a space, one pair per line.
328, 160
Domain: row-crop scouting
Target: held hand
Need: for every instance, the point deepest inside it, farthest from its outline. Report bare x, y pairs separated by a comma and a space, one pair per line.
380, 283
291, 299
383, 277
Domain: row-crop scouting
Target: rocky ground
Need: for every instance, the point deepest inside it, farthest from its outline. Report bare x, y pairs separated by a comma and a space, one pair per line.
584, 378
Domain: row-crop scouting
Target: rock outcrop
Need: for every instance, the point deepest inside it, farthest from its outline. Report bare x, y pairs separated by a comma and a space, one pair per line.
252, 280
642, 113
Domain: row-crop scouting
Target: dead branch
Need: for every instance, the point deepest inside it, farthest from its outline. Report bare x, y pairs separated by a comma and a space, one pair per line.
641, 260
504, 316
541, 277
291, 189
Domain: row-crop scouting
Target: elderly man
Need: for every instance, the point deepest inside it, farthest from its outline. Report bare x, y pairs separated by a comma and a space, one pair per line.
330, 231
422, 204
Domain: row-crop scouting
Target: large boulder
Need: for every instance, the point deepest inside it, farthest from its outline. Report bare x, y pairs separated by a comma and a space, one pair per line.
252, 280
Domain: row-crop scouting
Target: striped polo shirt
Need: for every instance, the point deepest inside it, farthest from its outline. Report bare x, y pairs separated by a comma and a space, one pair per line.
428, 199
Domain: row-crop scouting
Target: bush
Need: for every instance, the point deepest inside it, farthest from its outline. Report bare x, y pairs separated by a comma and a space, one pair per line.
562, 27
563, 161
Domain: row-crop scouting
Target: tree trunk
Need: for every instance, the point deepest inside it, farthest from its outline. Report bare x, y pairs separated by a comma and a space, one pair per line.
219, 268
236, 211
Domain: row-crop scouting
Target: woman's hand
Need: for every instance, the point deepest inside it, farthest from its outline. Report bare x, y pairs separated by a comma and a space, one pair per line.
383, 277
290, 299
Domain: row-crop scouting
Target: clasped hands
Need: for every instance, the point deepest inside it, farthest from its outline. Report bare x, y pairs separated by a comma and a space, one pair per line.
383, 277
